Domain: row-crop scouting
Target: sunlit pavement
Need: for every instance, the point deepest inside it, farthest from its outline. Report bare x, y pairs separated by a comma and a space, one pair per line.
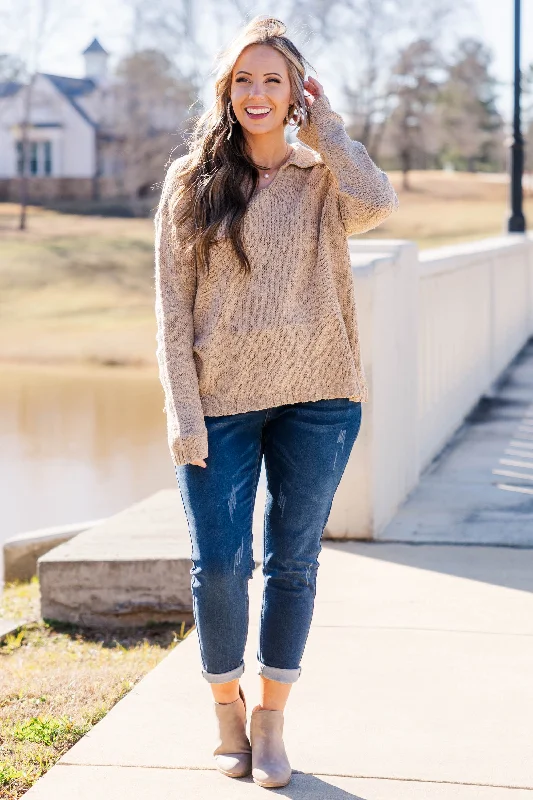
416, 683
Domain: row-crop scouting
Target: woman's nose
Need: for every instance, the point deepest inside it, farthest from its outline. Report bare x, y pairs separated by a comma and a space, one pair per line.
255, 90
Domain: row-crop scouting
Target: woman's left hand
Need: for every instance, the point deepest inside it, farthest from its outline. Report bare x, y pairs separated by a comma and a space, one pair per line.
314, 88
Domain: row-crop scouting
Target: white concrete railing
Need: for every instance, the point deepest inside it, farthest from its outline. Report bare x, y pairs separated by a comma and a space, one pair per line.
437, 329
475, 314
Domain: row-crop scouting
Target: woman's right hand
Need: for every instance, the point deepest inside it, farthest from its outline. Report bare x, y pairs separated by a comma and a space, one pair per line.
198, 462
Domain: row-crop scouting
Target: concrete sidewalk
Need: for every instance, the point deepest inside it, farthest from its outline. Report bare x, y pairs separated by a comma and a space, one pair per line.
416, 683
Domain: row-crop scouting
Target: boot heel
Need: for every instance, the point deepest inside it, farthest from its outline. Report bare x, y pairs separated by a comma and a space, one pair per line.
233, 754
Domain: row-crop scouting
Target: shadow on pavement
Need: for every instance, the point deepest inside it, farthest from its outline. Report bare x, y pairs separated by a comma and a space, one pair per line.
303, 786
511, 567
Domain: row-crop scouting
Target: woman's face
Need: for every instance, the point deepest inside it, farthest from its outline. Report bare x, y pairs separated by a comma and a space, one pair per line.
260, 81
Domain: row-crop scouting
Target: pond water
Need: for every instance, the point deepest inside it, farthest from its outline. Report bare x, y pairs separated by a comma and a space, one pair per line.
78, 444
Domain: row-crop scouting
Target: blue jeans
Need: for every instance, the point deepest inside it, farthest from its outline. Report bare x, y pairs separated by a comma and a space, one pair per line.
306, 447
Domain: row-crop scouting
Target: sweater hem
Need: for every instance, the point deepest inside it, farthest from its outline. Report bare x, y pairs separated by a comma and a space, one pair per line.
213, 407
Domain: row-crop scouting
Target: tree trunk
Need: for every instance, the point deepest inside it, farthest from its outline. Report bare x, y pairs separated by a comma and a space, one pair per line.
23, 181
405, 159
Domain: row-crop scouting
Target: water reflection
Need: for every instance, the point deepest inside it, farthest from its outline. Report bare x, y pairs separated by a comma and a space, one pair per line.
78, 444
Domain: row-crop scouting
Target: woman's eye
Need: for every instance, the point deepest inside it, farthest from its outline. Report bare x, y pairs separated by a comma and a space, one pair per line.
240, 80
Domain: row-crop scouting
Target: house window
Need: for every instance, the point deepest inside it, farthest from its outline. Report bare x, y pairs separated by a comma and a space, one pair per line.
47, 147
33, 159
38, 158
19, 158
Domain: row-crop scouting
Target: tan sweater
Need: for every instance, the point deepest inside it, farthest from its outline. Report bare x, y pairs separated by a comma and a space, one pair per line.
286, 333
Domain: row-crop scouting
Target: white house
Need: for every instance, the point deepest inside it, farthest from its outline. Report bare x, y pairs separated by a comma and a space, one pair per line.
77, 138
65, 133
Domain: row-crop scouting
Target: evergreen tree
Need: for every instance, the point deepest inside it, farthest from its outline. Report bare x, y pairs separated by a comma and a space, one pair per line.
471, 126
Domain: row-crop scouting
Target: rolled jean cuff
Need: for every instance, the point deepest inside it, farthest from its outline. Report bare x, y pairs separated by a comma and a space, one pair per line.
279, 674
223, 677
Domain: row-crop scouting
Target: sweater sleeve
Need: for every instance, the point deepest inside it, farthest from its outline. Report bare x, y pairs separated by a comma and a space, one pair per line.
365, 195
175, 289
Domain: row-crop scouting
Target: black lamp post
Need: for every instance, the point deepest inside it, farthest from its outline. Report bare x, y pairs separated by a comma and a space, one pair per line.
517, 222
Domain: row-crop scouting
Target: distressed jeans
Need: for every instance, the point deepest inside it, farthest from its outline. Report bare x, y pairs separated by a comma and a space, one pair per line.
306, 447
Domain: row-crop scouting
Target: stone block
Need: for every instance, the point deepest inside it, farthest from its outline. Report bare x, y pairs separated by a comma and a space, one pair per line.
132, 569
22, 551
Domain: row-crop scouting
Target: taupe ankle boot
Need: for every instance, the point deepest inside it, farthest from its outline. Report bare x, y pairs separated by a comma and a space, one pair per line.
233, 755
270, 765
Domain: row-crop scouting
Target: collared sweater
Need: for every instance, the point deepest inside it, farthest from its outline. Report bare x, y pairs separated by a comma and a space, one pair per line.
231, 342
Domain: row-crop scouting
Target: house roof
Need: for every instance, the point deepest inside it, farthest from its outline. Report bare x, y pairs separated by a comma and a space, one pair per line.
9, 88
95, 47
72, 88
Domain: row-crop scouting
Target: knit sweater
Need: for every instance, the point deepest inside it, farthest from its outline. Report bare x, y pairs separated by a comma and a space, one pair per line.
287, 332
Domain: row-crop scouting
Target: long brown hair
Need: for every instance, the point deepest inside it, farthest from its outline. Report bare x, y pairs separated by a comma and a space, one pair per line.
210, 190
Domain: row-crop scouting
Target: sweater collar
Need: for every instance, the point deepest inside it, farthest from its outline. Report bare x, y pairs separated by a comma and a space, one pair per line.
301, 156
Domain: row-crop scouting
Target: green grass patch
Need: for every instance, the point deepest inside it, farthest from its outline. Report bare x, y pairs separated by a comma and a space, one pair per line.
48, 730
59, 680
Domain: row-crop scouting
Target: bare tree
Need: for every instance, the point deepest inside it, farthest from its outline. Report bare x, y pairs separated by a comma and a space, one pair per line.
415, 83
149, 101
366, 29
34, 52
11, 72
11, 68
310, 22
364, 40
34, 24
173, 28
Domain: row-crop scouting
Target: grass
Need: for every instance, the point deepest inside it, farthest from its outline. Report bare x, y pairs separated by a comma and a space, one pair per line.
76, 289
59, 680
444, 208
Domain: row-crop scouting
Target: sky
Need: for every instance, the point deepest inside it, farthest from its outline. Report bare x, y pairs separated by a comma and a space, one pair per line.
491, 20
496, 29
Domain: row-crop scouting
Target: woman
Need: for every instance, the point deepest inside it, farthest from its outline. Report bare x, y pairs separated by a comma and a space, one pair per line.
258, 352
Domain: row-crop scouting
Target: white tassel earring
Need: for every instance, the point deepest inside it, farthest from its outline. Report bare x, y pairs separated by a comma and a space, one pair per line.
295, 118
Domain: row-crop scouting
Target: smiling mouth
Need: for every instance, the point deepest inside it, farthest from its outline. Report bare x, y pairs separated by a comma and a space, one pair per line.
257, 116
